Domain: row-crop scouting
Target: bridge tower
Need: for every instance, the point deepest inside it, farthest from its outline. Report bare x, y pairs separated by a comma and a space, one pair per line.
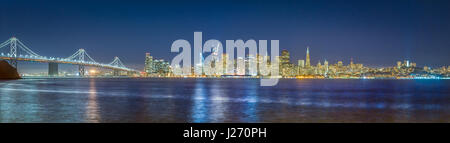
15, 46
13, 52
82, 57
81, 70
118, 63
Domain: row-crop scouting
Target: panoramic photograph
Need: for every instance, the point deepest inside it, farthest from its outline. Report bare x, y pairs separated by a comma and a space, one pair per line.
269, 61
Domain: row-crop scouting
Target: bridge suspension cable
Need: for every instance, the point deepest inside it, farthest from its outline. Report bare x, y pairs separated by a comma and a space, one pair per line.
5, 43
82, 56
14, 43
117, 62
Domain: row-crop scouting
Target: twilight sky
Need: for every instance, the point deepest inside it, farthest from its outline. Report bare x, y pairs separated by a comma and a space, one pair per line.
375, 33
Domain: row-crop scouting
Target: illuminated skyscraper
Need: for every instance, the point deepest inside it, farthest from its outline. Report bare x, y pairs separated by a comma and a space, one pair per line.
285, 64
160, 67
148, 63
224, 63
252, 66
399, 64
284, 57
308, 62
199, 65
301, 63
239, 69
155, 67
263, 60
340, 64
351, 63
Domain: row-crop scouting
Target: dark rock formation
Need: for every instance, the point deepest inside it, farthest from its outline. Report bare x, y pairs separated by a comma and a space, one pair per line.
7, 71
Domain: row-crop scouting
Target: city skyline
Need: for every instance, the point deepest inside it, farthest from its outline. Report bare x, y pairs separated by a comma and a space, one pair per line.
296, 62
376, 33
402, 69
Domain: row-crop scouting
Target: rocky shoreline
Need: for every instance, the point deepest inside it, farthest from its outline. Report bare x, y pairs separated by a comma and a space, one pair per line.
7, 71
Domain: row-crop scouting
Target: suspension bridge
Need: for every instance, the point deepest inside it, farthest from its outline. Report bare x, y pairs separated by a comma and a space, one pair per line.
20, 52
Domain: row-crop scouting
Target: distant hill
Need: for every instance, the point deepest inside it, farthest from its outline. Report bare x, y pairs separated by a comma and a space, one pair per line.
7, 71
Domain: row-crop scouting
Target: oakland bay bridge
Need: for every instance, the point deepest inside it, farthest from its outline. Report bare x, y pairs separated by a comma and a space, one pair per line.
20, 52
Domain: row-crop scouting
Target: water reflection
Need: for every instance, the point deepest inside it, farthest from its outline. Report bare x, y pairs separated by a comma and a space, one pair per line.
6, 105
218, 102
251, 98
92, 109
199, 109
223, 100
19, 107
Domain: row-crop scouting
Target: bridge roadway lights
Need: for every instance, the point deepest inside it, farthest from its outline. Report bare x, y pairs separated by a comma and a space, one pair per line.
53, 69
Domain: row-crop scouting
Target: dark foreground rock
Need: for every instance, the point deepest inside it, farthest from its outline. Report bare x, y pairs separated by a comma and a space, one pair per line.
7, 71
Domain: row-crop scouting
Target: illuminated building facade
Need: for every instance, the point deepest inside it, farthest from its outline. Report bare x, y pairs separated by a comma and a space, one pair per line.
303, 68
155, 67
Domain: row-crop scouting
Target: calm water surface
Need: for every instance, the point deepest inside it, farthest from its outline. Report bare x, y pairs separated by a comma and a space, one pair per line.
223, 100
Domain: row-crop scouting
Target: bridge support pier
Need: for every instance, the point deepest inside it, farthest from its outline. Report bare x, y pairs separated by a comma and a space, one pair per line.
53, 69
116, 72
81, 70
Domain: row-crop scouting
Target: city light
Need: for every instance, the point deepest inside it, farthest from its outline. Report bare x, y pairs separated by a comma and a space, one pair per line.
93, 71
305, 70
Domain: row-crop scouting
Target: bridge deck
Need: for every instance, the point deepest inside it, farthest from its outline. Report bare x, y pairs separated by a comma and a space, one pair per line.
64, 61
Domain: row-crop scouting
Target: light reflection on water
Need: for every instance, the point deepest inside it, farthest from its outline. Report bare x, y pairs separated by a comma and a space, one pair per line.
92, 111
223, 100
199, 110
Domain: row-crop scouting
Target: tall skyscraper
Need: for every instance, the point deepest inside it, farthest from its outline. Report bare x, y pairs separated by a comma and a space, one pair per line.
399, 64
224, 63
199, 66
325, 64
308, 62
160, 67
252, 65
351, 63
285, 57
285, 63
301, 63
148, 63
239, 69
